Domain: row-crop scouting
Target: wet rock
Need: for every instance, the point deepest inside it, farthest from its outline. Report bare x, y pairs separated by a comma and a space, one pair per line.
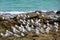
58, 19
50, 13
32, 15
58, 13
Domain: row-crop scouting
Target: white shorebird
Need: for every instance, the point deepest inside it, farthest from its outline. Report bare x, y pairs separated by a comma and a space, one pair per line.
3, 17
42, 15
2, 34
37, 31
28, 28
22, 34
24, 22
16, 26
28, 23
38, 13
39, 20
32, 20
56, 30
21, 14
18, 16
56, 25
21, 20
15, 30
28, 20
42, 30
48, 24
37, 23
47, 29
32, 26
44, 26
28, 16
23, 29
24, 17
16, 35
8, 33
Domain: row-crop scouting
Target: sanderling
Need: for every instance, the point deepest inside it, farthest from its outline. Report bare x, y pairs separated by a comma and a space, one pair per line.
47, 29
42, 30
15, 30
37, 31
16, 35
22, 34
56, 25
32, 20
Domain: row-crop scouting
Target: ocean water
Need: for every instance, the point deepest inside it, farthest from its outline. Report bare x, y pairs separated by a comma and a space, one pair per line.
29, 5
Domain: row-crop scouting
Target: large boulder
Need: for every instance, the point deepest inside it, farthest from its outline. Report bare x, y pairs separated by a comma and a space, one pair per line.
58, 12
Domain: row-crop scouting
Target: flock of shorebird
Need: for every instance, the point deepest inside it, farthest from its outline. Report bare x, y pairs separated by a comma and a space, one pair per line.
31, 25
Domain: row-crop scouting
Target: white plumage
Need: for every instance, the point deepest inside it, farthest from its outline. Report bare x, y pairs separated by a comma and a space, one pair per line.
8, 33
16, 26
37, 31
47, 29
22, 34
16, 35
28, 28
15, 30
44, 26
32, 20
42, 30
23, 29
2, 34
56, 25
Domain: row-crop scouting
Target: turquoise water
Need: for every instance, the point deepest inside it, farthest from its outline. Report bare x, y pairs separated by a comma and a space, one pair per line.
29, 5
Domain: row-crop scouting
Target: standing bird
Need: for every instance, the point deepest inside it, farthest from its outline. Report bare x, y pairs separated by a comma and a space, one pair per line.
28, 28
23, 29
15, 30
47, 29
8, 33
56, 26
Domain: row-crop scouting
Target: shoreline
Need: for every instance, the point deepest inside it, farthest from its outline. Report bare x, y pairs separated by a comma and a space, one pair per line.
27, 11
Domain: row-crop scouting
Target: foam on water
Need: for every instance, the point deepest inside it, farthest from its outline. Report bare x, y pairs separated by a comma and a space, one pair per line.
20, 12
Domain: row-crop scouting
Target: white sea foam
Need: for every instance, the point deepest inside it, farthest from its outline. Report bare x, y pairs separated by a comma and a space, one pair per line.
19, 12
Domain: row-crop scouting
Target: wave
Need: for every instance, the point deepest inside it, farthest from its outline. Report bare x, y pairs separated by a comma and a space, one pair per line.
20, 12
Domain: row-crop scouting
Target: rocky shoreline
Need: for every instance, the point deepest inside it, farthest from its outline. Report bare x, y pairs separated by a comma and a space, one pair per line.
31, 25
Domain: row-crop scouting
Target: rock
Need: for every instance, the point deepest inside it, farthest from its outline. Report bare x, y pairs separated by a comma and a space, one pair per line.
58, 19
58, 13
1, 19
37, 11
32, 15
50, 13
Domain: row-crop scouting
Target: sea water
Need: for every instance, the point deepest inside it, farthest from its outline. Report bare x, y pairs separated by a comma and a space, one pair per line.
29, 5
